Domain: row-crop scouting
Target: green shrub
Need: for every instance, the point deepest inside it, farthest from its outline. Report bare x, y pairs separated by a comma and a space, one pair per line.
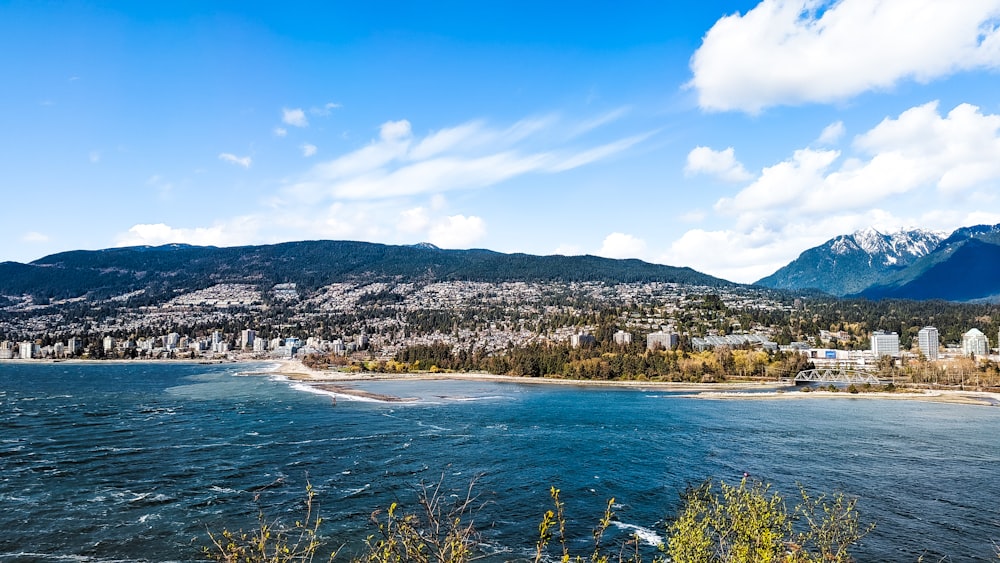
717, 523
749, 523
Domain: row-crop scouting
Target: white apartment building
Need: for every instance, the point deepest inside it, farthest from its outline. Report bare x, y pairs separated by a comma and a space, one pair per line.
975, 343
247, 338
928, 341
26, 350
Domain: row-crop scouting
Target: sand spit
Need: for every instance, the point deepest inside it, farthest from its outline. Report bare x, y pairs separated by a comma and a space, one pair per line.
767, 390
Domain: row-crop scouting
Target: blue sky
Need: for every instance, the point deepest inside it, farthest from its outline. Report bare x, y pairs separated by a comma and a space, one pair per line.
724, 136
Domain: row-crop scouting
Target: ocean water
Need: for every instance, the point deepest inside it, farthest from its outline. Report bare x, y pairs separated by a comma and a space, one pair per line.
113, 462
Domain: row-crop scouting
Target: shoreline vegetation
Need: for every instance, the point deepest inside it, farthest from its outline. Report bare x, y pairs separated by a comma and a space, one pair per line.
334, 381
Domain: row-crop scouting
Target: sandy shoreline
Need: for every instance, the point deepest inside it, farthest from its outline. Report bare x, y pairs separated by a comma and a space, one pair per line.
712, 391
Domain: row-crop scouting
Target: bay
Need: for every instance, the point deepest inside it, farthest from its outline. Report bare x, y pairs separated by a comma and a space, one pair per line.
124, 462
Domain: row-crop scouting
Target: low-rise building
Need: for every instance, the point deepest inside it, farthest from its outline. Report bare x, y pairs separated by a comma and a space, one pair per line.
661, 340
885, 343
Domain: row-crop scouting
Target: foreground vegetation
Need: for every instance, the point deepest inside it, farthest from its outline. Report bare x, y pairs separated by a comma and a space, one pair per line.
717, 522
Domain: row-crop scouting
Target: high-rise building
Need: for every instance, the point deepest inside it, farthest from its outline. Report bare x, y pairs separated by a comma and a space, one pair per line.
247, 338
885, 343
26, 350
171, 341
975, 343
928, 342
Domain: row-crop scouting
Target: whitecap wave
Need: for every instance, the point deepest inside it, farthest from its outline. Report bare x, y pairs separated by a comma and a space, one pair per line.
353, 492
649, 537
317, 391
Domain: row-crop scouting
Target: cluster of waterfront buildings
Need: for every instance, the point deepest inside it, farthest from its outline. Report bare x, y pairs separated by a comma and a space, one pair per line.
174, 345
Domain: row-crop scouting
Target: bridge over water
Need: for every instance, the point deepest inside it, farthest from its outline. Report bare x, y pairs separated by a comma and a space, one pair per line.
835, 375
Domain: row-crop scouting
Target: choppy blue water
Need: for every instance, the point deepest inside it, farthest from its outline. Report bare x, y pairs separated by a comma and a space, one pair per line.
135, 462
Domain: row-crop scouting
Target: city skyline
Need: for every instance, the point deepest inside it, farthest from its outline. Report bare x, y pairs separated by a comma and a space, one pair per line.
723, 136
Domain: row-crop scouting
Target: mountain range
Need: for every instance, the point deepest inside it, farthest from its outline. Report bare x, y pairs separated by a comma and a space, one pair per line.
915, 264
163, 271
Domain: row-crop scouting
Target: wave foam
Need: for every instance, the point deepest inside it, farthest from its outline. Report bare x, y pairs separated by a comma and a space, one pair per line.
645, 534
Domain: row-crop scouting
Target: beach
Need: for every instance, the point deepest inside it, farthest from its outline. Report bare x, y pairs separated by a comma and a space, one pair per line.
334, 382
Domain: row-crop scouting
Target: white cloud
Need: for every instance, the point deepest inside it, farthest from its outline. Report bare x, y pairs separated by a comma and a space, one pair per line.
294, 117
720, 164
957, 152
457, 231
621, 245
920, 168
804, 51
280, 132
34, 237
236, 231
308, 150
413, 220
470, 155
831, 134
244, 161
94, 156
781, 185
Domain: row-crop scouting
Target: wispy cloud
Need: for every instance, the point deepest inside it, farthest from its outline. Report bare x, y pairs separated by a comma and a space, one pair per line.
601, 120
803, 51
470, 155
280, 132
244, 161
392, 189
34, 237
324, 110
